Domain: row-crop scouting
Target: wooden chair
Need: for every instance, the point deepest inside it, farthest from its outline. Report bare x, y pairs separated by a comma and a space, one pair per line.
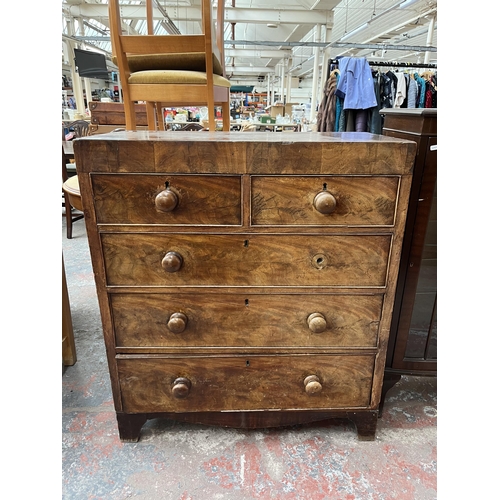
171, 70
71, 190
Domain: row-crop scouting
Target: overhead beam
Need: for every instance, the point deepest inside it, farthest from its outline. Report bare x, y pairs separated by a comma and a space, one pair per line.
231, 14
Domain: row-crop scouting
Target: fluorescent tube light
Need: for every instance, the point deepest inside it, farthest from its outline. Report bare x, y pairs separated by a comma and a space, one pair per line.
406, 3
353, 32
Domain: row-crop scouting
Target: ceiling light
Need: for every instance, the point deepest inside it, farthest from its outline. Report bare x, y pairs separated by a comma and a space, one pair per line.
406, 3
272, 25
353, 32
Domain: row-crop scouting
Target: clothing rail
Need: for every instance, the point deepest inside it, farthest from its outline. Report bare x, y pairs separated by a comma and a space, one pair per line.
392, 65
332, 62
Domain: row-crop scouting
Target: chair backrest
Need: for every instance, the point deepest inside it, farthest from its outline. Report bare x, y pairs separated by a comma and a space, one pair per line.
80, 128
204, 52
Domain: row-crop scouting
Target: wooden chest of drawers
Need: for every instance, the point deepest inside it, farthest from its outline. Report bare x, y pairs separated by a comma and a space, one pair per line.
247, 279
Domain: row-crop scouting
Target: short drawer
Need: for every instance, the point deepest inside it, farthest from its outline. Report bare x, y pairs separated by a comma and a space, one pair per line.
217, 383
245, 259
324, 201
167, 199
245, 320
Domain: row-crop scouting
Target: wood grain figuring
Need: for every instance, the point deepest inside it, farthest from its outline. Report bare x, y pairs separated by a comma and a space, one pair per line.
245, 320
247, 260
244, 382
285, 200
250, 153
130, 199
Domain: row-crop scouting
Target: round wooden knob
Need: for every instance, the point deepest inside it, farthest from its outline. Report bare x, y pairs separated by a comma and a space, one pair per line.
172, 262
177, 322
316, 322
312, 384
166, 201
181, 387
325, 202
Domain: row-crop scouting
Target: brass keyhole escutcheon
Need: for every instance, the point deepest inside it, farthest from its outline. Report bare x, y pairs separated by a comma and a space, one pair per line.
320, 261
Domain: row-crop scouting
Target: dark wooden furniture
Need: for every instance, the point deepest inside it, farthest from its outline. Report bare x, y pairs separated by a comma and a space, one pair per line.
68, 338
245, 282
412, 345
72, 211
113, 114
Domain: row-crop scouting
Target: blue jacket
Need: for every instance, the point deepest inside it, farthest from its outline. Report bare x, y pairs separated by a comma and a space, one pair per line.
355, 84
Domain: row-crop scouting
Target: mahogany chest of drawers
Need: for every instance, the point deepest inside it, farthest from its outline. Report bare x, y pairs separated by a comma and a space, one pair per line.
245, 279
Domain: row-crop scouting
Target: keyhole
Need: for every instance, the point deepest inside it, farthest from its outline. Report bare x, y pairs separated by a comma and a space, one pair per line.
246, 302
324, 186
167, 184
248, 363
319, 260
245, 243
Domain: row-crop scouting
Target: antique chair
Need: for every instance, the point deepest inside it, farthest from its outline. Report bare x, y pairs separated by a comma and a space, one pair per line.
70, 188
171, 70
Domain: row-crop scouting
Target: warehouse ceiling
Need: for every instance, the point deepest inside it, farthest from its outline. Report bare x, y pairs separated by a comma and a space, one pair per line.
264, 38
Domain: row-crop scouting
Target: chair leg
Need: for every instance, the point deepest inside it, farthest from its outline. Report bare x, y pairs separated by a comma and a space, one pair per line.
159, 116
129, 108
69, 218
226, 117
151, 115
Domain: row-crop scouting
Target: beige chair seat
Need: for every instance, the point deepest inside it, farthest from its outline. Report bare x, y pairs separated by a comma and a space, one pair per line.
175, 77
72, 188
187, 61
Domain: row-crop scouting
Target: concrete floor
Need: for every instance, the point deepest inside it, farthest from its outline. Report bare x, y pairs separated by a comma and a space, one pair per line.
182, 461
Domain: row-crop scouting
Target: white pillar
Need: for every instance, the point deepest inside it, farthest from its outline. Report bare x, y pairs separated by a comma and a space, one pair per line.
430, 34
77, 82
271, 101
88, 91
326, 57
289, 81
314, 96
283, 82
268, 88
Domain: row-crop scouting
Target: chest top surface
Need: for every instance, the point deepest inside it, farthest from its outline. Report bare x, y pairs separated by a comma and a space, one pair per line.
245, 153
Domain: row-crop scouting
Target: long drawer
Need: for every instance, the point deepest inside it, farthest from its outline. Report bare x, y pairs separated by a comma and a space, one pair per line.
167, 199
245, 259
324, 200
183, 384
245, 320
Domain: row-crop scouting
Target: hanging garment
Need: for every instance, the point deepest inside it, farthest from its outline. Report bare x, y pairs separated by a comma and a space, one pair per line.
400, 90
355, 84
404, 104
326, 112
412, 93
386, 91
339, 108
375, 118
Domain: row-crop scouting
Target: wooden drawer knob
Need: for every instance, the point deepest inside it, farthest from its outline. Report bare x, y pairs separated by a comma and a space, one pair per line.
166, 201
177, 322
172, 262
316, 322
181, 387
325, 202
312, 384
